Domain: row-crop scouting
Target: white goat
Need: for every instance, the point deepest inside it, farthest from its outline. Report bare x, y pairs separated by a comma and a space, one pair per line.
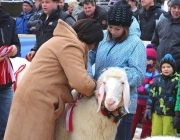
162, 138
20, 65
88, 124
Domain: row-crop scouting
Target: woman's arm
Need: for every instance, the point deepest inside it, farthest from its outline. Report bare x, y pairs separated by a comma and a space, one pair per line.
136, 65
91, 61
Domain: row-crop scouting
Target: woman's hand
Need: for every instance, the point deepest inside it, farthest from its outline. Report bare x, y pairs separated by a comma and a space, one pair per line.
13, 51
104, 69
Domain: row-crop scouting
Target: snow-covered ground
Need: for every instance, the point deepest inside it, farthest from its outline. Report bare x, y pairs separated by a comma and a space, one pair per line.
137, 134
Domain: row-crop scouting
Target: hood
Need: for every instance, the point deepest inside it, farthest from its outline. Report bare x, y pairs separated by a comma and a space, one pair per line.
64, 30
169, 16
155, 6
3, 14
134, 29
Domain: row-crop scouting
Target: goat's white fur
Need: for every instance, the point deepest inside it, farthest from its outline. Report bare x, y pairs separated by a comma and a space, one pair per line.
89, 125
161, 138
115, 83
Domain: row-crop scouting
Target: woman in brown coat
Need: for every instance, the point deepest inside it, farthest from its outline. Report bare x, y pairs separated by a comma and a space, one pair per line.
58, 67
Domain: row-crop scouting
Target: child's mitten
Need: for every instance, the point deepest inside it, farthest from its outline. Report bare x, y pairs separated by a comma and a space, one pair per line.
148, 113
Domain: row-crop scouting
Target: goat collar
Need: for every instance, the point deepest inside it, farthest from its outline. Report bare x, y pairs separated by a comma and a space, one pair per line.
69, 124
115, 115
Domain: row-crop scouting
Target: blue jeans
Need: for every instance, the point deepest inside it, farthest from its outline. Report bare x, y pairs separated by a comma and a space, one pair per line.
124, 128
6, 96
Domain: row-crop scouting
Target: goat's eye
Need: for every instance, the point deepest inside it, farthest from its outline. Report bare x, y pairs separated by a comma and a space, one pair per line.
104, 82
122, 83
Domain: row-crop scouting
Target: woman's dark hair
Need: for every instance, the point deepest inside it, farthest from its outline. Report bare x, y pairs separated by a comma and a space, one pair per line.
88, 31
121, 38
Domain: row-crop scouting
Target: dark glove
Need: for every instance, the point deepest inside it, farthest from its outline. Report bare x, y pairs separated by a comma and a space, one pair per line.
176, 120
148, 113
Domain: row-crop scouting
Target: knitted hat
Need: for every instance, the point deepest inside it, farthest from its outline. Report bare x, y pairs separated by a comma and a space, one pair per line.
175, 2
151, 53
170, 60
111, 3
28, 2
120, 14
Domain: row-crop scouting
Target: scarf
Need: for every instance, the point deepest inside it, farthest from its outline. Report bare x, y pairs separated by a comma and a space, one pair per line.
6, 70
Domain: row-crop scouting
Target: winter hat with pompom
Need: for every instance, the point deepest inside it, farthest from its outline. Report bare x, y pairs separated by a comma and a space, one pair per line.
170, 60
151, 53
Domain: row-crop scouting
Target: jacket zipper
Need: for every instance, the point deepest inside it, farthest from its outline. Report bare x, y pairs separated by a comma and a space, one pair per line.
2, 36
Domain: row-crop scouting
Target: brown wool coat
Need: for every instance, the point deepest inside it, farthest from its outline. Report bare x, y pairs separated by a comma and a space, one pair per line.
59, 65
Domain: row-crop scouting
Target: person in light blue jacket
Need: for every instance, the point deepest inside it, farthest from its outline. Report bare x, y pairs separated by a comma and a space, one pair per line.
121, 47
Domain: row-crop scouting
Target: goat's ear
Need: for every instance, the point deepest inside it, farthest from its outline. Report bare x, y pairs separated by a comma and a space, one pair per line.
126, 95
100, 95
121, 101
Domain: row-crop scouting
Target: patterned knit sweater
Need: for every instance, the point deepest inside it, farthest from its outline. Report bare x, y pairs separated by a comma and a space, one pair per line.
144, 89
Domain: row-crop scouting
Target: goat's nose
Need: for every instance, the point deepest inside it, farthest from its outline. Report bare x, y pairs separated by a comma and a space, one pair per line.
110, 101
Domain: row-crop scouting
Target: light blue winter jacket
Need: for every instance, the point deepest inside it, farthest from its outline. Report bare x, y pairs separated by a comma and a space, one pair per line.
129, 55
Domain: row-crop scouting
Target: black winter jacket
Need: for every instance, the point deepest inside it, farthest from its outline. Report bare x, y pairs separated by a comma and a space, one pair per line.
8, 34
147, 19
44, 28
